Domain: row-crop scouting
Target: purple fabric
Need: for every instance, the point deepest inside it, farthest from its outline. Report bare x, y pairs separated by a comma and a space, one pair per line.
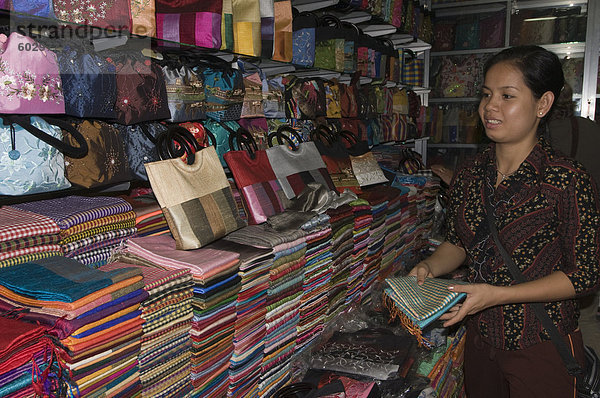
204, 38
73, 210
168, 26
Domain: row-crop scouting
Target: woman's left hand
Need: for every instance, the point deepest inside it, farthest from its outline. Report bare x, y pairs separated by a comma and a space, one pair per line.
479, 297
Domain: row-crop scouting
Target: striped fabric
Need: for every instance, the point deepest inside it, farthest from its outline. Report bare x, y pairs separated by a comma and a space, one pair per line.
199, 221
73, 210
420, 304
264, 199
15, 223
97, 230
297, 182
27, 258
98, 238
21, 243
29, 250
100, 222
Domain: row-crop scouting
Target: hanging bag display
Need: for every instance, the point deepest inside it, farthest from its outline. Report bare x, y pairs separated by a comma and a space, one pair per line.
350, 32
254, 86
365, 167
114, 14
247, 26
195, 197
412, 68
33, 154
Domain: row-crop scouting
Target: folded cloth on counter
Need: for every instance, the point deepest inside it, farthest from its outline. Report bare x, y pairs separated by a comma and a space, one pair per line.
16, 223
419, 305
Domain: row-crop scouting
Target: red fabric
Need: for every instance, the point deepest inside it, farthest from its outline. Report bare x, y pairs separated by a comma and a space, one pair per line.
180, 6
247, 171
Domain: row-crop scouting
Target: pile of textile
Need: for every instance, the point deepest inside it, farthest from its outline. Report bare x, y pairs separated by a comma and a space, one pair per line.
392, 235
216, 285
90, 227
164, 358
317, 277
28, 364
377, 230
409, 219
26, 236
149, 217
342, 245
283, 299
93, 315
363, 219
251, 308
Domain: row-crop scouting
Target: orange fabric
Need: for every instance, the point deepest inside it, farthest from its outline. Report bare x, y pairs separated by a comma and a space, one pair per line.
69, 306
78, 345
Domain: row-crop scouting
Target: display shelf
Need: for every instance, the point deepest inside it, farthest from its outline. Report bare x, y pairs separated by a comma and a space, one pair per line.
469, 4
354, 17
312, 5
528, 4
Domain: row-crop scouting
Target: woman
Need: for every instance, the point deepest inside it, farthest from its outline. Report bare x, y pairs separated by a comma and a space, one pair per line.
547, 214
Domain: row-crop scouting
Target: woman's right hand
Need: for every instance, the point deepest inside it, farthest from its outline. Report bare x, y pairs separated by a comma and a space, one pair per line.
422, 270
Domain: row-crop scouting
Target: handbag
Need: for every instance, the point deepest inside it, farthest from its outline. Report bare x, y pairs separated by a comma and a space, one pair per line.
40, 8
283, 36
304, 27
467, 34
227, 25
223, 88
185, 92
304, 98
30, 76
329, 45
221, 132
141, 90
195, 197
412, 68
106, 161
332, 99
247, 26
254, 177
295, 168
365, 167
587, 379
273, 100
195, 22
254, 84
32, 153
140, 145
444, 35
115, 14
88, 80
143, 18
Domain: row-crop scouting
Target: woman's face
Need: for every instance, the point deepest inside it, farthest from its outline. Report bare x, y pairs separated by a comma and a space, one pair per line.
509, 111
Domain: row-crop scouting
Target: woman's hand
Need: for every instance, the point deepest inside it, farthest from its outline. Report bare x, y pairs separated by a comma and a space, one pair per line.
479, 297
422, 270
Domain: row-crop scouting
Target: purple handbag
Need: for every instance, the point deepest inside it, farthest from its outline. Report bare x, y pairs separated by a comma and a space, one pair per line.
30, 80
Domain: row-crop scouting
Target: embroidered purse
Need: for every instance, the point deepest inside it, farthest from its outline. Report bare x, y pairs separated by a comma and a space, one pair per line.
185, 92
223, 88
30, 77
303, 38
32, 153
140, 145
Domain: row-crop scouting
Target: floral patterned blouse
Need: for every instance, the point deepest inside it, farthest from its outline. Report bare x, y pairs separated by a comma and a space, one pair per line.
548, 218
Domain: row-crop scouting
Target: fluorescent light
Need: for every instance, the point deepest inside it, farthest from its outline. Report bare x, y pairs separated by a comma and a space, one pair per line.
539, 19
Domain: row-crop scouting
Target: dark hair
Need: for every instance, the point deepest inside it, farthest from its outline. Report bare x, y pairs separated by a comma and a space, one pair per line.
541, 69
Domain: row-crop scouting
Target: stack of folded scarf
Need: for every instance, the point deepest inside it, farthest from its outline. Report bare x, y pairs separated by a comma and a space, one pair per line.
360, 235
216, 285
90, 227
317, 276
94, 315
149, 217
408, 219
379, 204
164, 357
251, 308
342, 244
28, 364
392, 235
283, 299
26, 236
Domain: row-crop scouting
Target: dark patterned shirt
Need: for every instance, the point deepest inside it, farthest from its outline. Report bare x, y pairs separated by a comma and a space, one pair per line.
548, 218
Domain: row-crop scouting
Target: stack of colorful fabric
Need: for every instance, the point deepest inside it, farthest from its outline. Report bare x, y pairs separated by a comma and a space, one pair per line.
164, 359
251, 308
90, 227
317, 277
25, 352
360, 235
409, 219
94, 315
283, 299
392, 236
342, 245
26, 236
378, 201
216, 285
149, 217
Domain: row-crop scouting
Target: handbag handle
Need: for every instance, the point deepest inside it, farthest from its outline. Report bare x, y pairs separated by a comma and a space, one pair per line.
71, 151
241, 138
323, 134
538, 308
177, 134
284, 137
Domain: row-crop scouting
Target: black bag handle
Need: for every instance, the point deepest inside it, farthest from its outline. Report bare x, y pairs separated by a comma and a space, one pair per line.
323, 134
68, 150
242, 139
284, 137
538, 308
177, 134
